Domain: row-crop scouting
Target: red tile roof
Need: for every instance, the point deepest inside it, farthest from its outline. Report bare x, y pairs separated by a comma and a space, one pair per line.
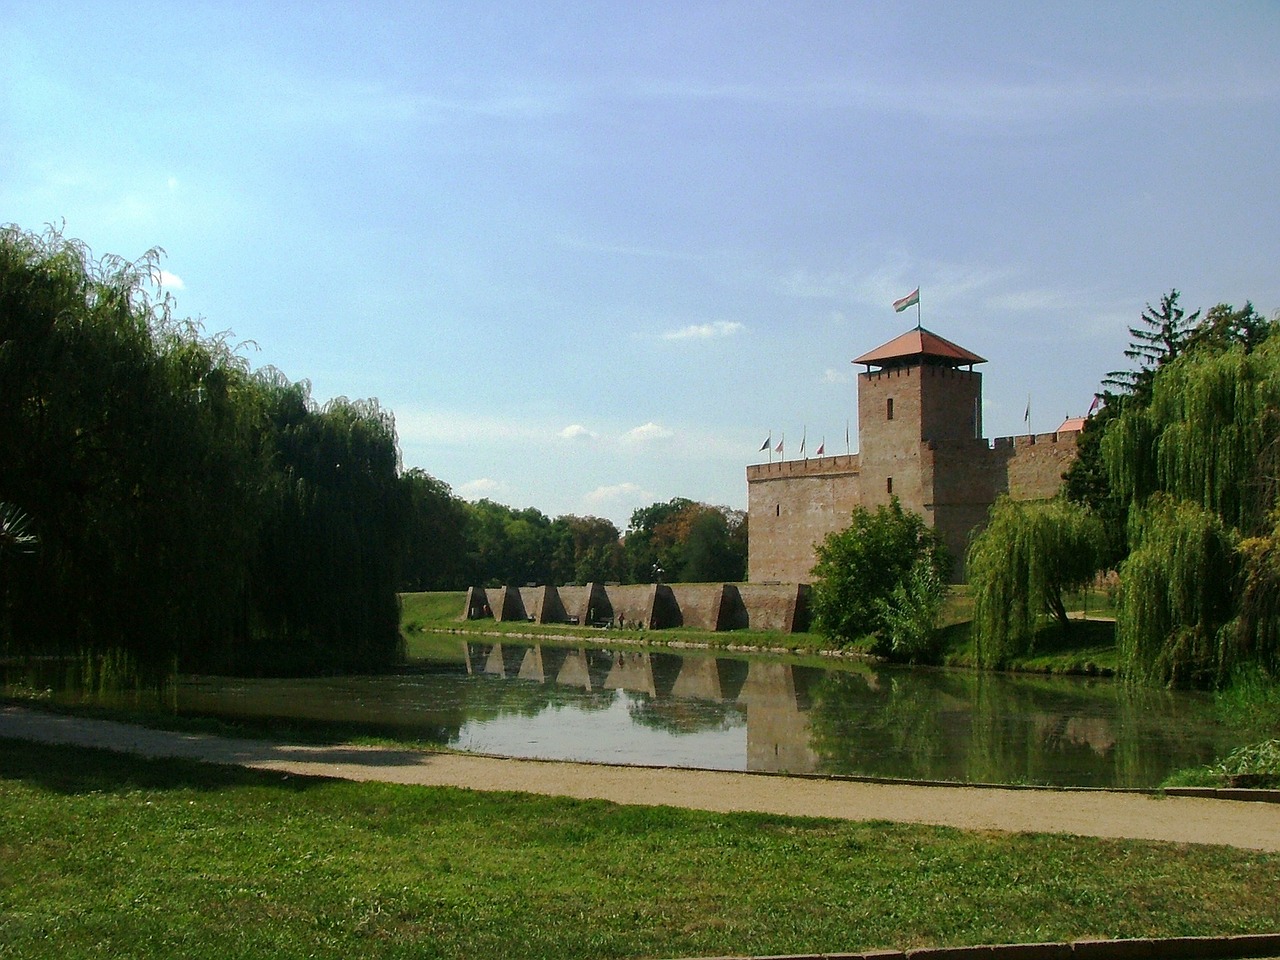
920, 343
1071, 424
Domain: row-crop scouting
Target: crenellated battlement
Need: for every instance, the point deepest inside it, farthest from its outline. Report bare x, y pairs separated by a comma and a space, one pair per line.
926, 371
1030, 440
812, 467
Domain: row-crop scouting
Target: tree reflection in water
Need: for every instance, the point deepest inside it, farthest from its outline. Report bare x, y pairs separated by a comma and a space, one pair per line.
985, 728
742, 712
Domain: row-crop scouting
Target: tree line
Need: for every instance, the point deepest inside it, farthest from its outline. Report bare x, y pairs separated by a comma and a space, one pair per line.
162, 500
455, 543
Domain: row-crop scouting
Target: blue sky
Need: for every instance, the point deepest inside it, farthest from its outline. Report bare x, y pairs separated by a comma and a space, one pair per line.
591, 255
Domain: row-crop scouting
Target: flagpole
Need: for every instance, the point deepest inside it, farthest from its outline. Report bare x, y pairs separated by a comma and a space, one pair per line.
919, 326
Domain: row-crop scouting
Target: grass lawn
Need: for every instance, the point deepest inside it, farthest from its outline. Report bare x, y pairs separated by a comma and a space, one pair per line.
109, 855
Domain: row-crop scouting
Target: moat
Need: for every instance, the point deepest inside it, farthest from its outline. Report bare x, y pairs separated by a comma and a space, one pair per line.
753, 713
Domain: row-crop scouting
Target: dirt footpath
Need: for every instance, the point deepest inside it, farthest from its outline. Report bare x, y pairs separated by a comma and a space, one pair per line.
1092, 813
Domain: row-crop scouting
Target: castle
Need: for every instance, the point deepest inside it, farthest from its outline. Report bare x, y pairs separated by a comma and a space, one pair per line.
920, 439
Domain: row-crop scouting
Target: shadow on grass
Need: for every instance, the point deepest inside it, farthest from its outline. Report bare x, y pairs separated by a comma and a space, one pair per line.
1080, 636
1053, 649
291, 729
80, 770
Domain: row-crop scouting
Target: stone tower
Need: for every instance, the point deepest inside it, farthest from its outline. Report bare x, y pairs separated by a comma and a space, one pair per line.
919, 430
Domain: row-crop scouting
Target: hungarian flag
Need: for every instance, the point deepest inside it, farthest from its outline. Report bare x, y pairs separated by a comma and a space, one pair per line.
910, 300
821, 448
1094, 406
778, 448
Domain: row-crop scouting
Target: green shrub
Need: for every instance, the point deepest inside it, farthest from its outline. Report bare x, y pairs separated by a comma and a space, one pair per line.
859, 568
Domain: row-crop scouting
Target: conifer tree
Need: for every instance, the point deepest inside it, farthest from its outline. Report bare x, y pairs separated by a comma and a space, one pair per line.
1159, 340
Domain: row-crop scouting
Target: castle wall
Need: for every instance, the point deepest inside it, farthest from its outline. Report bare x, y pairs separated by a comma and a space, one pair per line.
1037, 463
792, 505
542, 604
633, 603
966, 477
706, 606
507, 603
768, 606
698, 604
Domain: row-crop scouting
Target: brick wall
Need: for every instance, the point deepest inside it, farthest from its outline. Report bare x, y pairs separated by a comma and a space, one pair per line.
952, 483
770, 606
1038, 463
791, 506
697, 604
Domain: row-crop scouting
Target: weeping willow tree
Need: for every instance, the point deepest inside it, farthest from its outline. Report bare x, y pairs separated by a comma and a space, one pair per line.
190, 513
1178, 589
1208, 435
1200, 462
1256, 637
1020, 566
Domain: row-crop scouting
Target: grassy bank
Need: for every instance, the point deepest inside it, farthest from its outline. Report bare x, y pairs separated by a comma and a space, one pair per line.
108, 855
1088, 647
424, 615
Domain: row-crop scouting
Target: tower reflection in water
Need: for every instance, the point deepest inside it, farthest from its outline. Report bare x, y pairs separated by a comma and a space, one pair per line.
877, 720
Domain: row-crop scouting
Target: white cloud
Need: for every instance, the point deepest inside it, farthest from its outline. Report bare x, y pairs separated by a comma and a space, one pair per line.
480, 488
616, 501
576, 431
705, 331
941, 284
984, 102
645, 432
832, 375
611, 495
170, 281
431, 425
1033, 300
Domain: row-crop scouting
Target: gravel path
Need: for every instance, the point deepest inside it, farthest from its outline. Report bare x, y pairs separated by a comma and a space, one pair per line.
1093, 813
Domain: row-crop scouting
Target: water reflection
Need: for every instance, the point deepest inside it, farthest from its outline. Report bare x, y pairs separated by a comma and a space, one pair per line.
865, 719
699, 710
978, 727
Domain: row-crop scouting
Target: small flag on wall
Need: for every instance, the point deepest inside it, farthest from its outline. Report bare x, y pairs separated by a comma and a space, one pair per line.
822, 448
1093, 407
778, 448
910, 300
1026, 417
767, 444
